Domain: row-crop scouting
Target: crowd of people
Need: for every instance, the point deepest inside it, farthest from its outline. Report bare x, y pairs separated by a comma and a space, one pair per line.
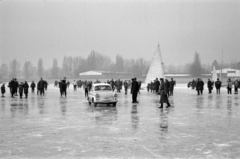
21, 88
154, 86
198, 84
162, 87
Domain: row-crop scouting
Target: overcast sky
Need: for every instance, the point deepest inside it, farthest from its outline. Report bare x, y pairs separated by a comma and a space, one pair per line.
49, 29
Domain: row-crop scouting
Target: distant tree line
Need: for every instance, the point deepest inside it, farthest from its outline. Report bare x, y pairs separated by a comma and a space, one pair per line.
72, 66
196, 68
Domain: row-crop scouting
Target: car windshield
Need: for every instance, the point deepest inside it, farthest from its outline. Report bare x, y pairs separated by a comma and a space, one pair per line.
103, 88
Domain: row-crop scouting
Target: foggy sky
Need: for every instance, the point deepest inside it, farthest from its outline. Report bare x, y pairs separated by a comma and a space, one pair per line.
49, 29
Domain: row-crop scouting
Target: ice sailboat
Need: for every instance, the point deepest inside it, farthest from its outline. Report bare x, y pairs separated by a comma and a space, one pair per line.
156, 69
214, 74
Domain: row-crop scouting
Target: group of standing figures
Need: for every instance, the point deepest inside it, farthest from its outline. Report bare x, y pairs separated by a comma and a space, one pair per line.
154, 86
16, 87
162, 88
199, 85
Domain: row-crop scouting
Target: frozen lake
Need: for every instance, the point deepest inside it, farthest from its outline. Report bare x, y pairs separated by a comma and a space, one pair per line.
204, 126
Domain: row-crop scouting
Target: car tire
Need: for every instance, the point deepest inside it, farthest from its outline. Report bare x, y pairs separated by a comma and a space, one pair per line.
89, 102
114, 104
95, 104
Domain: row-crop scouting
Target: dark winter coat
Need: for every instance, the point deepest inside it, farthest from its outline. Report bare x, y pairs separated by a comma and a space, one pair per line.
200, 85
20, 88
33, 85
13, 85
125, 85
163, 92
25, 87
135, 87
40, 85
156, 85
194, 84
45, 84
210, 85
64, 85
218, 84
3, 90
229, 84
172, 84
60, 85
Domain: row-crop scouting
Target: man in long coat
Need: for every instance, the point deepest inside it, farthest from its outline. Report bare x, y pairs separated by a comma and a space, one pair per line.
45, 85
168, 87
64, 87
194, 83
17, 84
148, 87
156, 85
163, 93
25, 87
210, 86
3, 90
171, 88
134, 90
125, 86
218, 85
13, 87
236, 86
200, 86
20, 89
40, 86
112, 84
33, 85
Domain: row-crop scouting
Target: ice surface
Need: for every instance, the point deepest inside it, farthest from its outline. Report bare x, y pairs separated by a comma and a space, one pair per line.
204, 126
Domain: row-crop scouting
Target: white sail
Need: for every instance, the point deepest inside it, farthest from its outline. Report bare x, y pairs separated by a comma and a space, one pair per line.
156, 69
214, 74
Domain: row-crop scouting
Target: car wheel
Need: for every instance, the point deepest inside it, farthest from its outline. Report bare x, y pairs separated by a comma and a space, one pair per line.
114, 104
95, 104
89, 102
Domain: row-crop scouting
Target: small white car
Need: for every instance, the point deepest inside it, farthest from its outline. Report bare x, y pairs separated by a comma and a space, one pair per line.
102, 93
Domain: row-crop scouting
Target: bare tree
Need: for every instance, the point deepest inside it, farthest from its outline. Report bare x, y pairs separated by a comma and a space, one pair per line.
196, 68
40, 68
4, 71
14, 69
28, 70
55, 69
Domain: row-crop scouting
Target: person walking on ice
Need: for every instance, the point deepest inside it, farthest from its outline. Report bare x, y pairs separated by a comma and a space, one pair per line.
163, 93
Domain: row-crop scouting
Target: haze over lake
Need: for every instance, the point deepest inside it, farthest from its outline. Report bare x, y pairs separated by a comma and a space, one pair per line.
51, 29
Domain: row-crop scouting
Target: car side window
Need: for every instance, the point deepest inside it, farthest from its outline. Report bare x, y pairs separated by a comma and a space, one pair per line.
97, 88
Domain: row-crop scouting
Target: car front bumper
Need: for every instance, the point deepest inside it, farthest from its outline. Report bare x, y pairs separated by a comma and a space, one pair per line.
104, 101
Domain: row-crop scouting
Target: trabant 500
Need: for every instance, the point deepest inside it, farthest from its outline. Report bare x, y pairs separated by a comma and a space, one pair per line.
102, 93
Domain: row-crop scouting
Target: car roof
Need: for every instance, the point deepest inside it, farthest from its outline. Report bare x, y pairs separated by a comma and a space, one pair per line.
101, 84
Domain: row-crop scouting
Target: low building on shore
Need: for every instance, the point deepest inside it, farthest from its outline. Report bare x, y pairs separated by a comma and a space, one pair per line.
108, 75
228, 73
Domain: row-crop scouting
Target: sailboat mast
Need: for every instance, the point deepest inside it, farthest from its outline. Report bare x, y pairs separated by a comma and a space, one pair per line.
221, 65
162, 64
156, 68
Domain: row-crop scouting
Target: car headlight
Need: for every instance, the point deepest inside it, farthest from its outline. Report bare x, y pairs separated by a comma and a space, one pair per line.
97, 96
